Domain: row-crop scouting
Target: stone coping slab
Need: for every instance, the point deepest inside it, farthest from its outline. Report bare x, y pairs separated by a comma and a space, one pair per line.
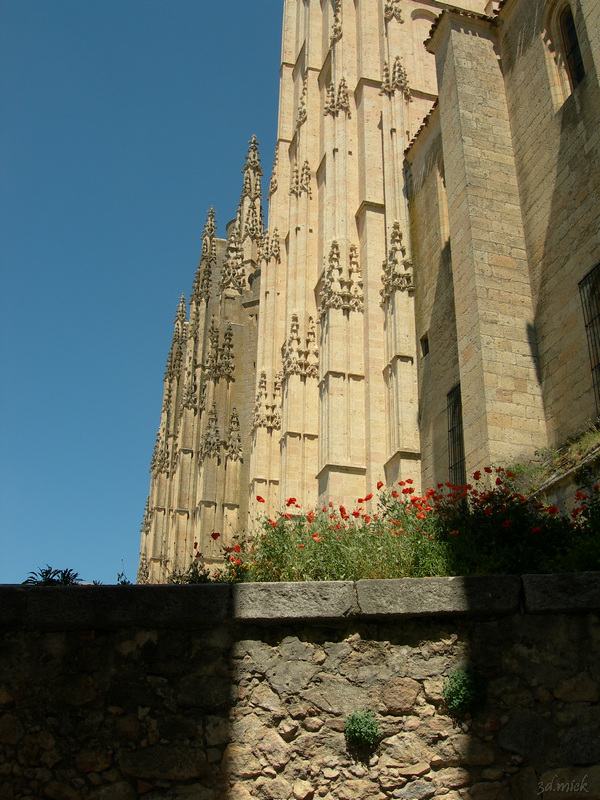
478, 594
562, 593
203, 605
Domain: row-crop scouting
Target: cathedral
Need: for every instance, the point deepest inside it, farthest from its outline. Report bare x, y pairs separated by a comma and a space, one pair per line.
425, 299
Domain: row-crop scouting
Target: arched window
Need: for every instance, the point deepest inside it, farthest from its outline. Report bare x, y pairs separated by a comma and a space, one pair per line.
563, 53
571, 48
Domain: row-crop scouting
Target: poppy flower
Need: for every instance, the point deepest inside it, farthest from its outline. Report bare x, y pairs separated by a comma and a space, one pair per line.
215, 535
498, 481
369, 497
260, 499
488, 470
552, 510
290, 501
409, 480
356, 514
360, 500
536, 530
379, 484
237, 549
198, 555
395, 494
476, 475
454, 533
316, 537
300, 546
506, 523
367, 518
510, 474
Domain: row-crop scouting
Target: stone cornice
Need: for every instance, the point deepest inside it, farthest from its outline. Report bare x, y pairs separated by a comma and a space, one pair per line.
63, 608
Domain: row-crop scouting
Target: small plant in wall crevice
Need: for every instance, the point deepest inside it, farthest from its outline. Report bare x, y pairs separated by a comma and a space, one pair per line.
464, 693
362, 731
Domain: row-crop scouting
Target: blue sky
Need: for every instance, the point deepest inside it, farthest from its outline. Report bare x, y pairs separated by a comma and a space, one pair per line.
122, 122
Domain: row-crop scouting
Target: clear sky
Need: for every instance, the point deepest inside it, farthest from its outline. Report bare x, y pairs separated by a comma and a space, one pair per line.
121, 122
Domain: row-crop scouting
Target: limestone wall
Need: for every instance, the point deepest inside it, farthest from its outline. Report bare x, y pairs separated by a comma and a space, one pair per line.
214, 692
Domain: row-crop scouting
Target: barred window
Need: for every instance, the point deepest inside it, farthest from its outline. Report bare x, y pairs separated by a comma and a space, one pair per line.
589, 289
456, 444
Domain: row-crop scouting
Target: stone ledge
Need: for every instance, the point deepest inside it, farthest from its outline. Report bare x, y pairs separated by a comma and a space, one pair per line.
578, 591
203, 605
321, 600
480, 594
110, 607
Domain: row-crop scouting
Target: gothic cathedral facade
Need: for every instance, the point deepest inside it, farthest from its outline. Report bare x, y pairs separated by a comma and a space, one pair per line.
426, 298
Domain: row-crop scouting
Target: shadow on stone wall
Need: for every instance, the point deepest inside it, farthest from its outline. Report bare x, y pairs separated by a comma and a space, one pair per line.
219, 692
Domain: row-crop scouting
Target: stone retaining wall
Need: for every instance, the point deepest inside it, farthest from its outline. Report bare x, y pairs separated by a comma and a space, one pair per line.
239, 692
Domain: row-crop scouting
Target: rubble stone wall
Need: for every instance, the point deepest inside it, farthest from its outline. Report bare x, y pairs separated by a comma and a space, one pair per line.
239, 692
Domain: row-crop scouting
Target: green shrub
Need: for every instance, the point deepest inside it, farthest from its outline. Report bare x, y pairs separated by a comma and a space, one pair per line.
47, 576
463, 693
362, 730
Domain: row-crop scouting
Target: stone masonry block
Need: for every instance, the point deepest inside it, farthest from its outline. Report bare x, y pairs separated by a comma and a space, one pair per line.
293, 601
562, 593
417, 596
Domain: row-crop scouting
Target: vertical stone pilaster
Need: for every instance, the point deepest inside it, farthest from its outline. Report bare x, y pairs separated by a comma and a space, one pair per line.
501, 397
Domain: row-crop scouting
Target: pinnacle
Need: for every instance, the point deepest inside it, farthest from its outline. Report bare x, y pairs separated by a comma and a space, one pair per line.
210, 226
253, 158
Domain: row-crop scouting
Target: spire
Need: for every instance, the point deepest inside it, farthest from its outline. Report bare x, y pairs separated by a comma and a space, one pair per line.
250, 216
175, 358
208, 259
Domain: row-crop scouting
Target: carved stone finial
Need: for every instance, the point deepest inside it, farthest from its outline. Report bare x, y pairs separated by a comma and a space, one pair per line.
178, 343
336, 30
386, 83
275, 251
392, 11
259, 412
147, 520
295, 181
298, 359
338, 291
212, 359
397, 272
302, 111
233, 275
305, 179
143, 574
208, 258
233, 446
226, 364
330, 105
211, 441
273, 183
160, 456
343, 101
400, 78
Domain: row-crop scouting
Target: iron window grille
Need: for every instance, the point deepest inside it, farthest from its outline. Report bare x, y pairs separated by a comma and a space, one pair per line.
589, 290
456, 444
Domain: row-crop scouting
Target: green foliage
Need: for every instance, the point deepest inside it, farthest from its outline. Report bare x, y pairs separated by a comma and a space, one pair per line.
463, 693
197, 572
47, 576
362, 730
122, 579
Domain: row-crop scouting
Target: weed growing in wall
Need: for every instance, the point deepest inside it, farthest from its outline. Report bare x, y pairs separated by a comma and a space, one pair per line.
361, 730
464, 693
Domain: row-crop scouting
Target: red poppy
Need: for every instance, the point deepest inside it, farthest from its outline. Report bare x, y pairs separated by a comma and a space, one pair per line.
510, 474
195, 545
536, 530
316, 537
506, 523
260, 499
498, 481
407, 490
300, 546
290, 501
488, 470
454, 533
379, 484
476, 475
409, 480
395, 494
237, 549
367, 518
310, 516
198, 555
215, 535
356, 514
552, 510
401, 483
369, 497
